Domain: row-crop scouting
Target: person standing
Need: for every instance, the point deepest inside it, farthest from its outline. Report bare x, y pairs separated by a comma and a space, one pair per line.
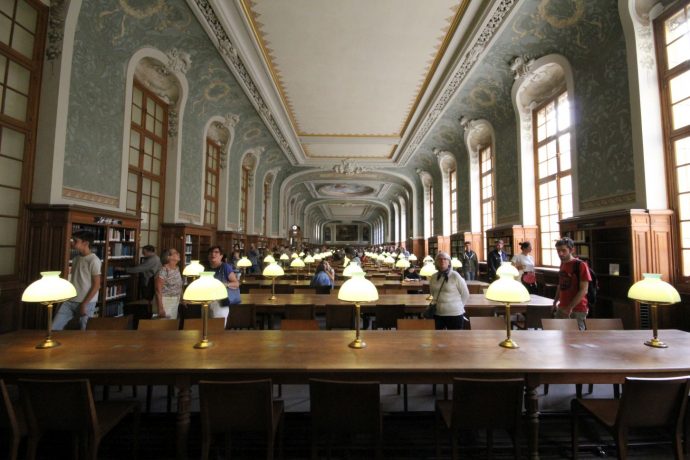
470, 262
525, 265
496, 257
148, 269
253, 256
573, 282
450, 294
225, 273
86, 278
168, 285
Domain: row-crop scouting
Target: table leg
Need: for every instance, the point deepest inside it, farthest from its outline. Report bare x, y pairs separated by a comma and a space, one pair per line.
184, 399
532, 407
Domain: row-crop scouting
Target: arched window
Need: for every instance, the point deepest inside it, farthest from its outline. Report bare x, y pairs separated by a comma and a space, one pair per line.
431, 211
553, 171
212, 182
673, 54
244, 197
268, 181
488, 202
453, 176
446, 162
148, 143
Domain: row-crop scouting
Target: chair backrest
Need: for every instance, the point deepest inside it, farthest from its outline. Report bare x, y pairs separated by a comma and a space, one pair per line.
551, 324
487, 403
387, 316
59, 405
306, 291
345, 407
534, 314
299, 325
340, 316
189, 310
261, 290
416, 324
242, 316
604, 324
116, 323
196, 324
158, 325
236, 406
487, 323
323, 290
650, 402
299, 311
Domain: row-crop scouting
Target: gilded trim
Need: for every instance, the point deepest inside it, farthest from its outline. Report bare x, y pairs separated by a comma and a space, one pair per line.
608, 201
90, 197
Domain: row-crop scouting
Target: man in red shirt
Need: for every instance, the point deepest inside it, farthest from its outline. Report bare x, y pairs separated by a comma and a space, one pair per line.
571, 296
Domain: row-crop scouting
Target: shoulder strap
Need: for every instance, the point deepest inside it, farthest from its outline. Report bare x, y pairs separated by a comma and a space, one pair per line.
438, 293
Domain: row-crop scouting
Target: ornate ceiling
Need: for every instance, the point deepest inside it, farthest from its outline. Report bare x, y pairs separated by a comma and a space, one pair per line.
351, 86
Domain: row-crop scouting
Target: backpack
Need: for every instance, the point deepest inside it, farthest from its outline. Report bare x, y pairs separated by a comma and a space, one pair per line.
593, 286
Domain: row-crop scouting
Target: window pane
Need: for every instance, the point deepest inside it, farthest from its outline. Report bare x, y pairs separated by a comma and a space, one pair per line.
683, 179
680, 87
5, 28
18, 78
23, 42
681, 114
10, 172
681, 149
8, 231
675, 26
137, 96
131, 201
684, 206
12, 143
15, 105
7, 256
136, 115
685, 234
9, 205
26, 16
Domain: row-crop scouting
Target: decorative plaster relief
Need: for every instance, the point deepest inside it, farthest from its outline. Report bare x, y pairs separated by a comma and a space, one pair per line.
56, 28
608, 201
521, 65
178, 61
348, 168
91, 197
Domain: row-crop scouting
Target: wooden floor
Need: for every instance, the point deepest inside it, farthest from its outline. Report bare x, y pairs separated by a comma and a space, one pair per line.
407, 436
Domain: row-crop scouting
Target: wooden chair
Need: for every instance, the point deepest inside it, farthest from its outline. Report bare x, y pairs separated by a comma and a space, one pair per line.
416, 324
299, 325
68, 406
196, 324
481, 404
262, 290
116, 323
646, 403
487, 323
567, 324
158, 325
344, 409
387, 316
604, 324
11, 421
340, 317
284, 289
242, 316
326, 290
240, 407
532, 317
299, 311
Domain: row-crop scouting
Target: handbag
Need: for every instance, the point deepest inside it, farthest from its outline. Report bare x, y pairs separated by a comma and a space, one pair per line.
430, 311
529, 278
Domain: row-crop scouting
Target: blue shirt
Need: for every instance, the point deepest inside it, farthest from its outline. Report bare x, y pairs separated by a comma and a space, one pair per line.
321, 279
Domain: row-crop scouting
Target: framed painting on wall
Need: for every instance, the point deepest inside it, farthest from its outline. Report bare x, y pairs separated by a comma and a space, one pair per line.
346, 232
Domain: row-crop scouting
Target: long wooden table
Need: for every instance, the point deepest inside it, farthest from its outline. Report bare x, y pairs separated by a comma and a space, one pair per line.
168, 357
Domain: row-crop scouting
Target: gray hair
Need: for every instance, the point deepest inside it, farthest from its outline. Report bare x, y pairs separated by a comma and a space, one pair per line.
443, 255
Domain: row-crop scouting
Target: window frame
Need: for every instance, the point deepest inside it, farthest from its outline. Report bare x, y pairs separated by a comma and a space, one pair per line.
482, 199
213, 150
453, 189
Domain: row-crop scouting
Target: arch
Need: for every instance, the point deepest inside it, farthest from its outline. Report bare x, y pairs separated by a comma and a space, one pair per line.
478, 134
174, 152
224, 127
447, 164
268, 181
427, 216
249, 160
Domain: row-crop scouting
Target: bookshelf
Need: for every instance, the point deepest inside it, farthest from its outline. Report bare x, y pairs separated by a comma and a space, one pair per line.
620, 246
438, 243
457, 245
191, 241
116, 244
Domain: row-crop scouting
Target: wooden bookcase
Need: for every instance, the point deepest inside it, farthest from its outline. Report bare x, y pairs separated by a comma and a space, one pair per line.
191, 241
622, 245
457, 244
438, 243
116, 244
512, 236
232, 241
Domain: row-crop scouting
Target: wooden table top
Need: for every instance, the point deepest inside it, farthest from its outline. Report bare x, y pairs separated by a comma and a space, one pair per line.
409, 300
391, 356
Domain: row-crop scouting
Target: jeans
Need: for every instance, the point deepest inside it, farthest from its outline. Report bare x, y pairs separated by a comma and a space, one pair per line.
449, 322
470, 276
580, 316
69, 310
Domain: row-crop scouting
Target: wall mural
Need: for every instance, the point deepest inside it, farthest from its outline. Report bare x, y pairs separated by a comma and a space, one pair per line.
107, 35
346, 232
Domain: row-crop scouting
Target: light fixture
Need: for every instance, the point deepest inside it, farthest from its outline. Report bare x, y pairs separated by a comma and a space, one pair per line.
389, 260
298, 264
193, 270
401, 255
244, 263
284, 258
309, 260
412, 258
352, 269
318, 257
293, 255
301, 254
428, 259
455, 263
358, 289
273, 270
49, 290
269, 259
428, 270
653, 290
402, 264
507, 289
203, 291
346, 260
